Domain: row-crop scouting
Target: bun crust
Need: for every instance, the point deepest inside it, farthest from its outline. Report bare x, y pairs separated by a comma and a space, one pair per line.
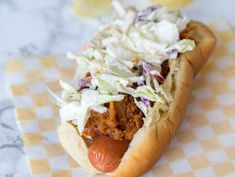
151, 141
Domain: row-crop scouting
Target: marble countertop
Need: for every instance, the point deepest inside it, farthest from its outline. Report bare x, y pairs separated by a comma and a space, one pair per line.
34, 28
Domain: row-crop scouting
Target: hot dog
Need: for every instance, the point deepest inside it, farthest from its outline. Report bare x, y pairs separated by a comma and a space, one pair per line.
105, 153
140, 68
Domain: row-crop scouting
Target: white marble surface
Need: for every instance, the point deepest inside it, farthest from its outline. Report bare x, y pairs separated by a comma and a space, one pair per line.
47, 27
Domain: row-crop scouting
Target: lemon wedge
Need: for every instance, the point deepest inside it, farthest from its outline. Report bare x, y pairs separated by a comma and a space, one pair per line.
91, 8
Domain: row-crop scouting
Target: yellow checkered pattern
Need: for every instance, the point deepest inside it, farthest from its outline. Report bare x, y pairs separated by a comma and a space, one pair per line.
37, 113
204, 145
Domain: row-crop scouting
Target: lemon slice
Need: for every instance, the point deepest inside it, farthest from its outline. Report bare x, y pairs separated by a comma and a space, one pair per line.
91, 8
172, 3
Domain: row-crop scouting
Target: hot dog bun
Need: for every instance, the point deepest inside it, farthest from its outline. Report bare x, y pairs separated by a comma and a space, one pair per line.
150, 142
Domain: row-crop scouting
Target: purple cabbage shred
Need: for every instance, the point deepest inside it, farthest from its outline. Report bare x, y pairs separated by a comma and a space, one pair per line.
172, 52
145, 101
160, 79
140, 83
147, 67
83, 83
144, 13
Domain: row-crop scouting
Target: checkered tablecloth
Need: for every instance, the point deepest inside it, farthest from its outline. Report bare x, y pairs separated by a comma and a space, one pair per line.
204, 145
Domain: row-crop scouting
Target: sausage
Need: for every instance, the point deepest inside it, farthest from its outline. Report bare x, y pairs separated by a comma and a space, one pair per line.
105, 153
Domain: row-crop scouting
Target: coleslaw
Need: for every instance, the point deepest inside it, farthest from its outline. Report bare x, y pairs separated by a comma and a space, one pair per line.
126, 52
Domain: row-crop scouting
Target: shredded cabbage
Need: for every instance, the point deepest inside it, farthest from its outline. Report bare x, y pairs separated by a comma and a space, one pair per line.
149, 93
124, 57
142, 107
107, 98
90, 100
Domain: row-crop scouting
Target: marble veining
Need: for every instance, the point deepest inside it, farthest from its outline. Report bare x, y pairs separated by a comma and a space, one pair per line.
48, 27
12, 155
